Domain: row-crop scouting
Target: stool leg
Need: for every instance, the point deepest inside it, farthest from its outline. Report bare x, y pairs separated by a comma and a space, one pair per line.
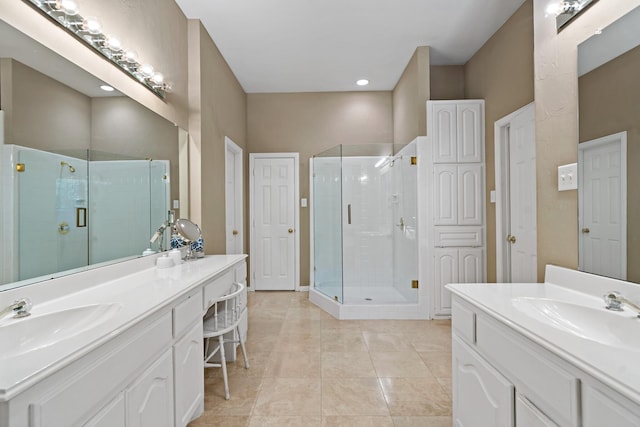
244, 350
223, 363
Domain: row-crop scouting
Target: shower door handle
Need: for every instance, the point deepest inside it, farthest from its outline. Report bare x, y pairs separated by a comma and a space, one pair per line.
349, 214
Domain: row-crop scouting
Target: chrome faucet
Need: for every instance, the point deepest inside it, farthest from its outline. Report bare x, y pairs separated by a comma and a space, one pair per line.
615, 302
21, 307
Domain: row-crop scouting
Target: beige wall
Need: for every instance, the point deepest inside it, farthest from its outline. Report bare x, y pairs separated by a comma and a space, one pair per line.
409, 99
309, 123
556, 87
501, 73
446, 82
121, 125
41, 112
218, 109
608, 104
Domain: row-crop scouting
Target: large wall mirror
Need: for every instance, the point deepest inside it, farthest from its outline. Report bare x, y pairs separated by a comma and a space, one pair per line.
609, 150
87, 176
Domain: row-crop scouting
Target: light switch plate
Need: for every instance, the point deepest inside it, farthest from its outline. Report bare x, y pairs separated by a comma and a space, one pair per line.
303, 202
568, 177
176, 204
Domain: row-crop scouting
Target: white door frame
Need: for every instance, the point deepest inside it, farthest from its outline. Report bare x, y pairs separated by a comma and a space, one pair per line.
501, 160
232, 147
620, 137
296, 227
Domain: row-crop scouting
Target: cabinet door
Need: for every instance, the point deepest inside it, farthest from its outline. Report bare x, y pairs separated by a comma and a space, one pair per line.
481, 395
444, 133
446, 195
150, 397
527, 415
112, 415
446, 271
598, 410
189, 375
469, 195
470, 265
469, 123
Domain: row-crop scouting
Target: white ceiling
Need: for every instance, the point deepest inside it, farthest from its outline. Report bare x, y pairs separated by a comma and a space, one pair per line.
326, 45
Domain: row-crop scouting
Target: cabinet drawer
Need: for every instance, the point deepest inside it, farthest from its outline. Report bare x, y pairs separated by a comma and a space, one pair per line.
445, 237
603, 407
463, 321
527, 415
216, 288
187, 312
240, 273
549, 387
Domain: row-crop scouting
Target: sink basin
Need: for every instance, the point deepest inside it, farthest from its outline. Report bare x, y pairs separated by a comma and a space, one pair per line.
20, 336
590, 323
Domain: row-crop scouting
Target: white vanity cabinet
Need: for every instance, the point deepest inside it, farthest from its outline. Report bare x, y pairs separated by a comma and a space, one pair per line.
150, 374
500, 377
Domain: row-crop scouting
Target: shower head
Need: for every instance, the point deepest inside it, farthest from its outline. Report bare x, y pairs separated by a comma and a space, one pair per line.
71, 168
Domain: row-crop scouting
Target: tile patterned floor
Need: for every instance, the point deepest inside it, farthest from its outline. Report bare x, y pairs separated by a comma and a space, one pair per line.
311, 370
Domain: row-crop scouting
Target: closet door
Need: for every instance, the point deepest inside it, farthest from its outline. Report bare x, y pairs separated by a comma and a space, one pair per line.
469, 195
446, 271
444, 133
446, 194
470, 262
469, 133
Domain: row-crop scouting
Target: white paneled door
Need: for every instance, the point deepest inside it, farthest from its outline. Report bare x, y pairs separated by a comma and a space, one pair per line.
233, 198
522, 188
516, 227
602, 181
274, 245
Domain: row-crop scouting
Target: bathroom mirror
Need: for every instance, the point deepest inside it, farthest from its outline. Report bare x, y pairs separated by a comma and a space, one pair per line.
98, 159
609, 150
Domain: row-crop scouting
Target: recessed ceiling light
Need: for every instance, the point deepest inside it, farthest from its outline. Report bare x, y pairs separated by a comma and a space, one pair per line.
362, 82
106, 88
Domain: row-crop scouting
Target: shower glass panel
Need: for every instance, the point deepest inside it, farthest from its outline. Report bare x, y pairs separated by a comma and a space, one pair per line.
327, 222
365, 210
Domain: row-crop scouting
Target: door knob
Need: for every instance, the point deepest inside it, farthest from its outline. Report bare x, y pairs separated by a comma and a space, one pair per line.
290, 230
511, 239
585, 230
234, 232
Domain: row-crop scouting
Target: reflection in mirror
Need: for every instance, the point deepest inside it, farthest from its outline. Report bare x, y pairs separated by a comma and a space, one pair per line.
609, 150
96, 167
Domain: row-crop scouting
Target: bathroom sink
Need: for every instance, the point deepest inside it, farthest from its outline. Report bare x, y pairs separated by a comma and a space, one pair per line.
620, 330
39, 331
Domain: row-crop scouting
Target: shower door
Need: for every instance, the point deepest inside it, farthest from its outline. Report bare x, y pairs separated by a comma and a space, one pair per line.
52, 188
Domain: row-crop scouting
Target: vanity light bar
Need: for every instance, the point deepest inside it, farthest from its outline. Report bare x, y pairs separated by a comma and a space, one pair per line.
88, 29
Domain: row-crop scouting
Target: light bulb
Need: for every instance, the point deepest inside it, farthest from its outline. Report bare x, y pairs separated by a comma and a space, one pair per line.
553, 8
146, 70
69, 7
131, 55
114, 44
91, 25
157, 78
362, 82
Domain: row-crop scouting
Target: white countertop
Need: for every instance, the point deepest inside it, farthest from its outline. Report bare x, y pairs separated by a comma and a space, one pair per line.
614, 366
138, 295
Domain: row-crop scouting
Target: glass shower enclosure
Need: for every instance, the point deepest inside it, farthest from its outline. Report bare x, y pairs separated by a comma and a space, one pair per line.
365, 246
